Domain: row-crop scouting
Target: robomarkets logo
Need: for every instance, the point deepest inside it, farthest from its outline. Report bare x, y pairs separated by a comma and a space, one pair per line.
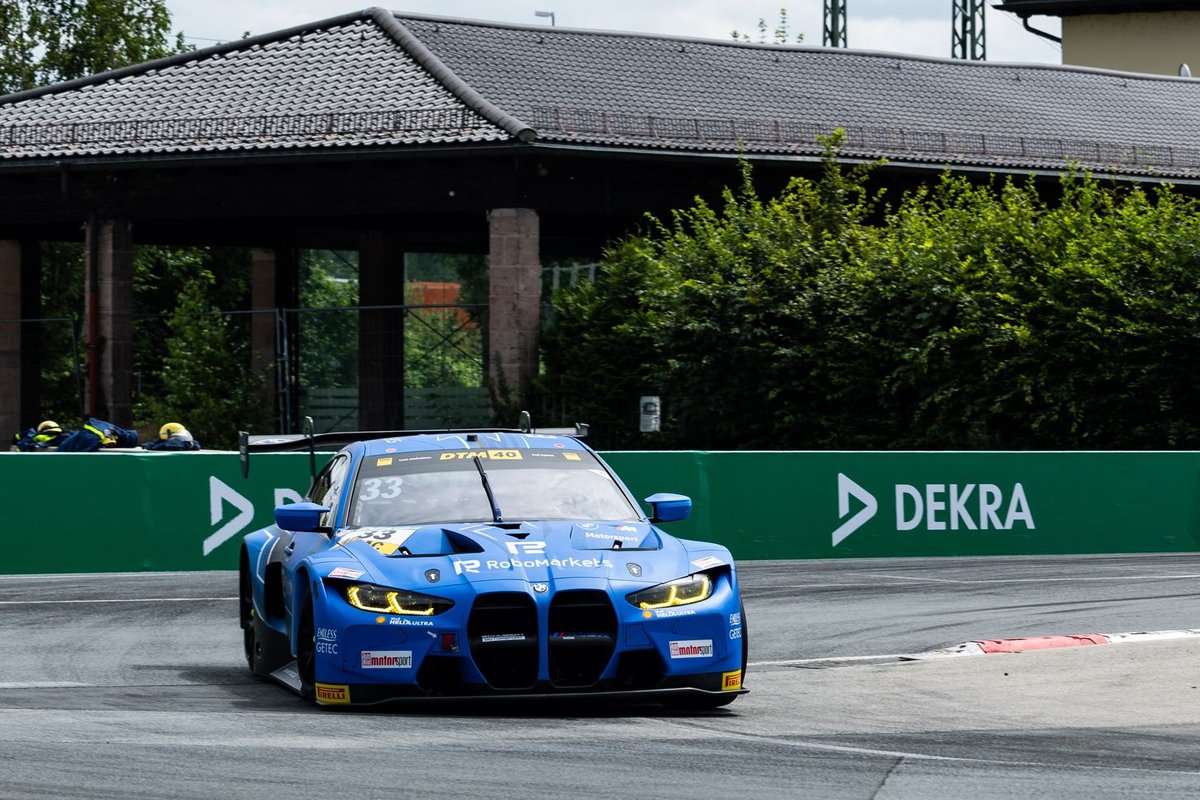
937, 507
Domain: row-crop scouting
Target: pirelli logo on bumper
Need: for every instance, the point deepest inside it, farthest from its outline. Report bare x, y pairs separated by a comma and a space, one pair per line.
332, 693
731, 681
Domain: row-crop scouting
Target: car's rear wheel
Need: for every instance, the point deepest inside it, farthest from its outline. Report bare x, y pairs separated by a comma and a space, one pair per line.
266, 649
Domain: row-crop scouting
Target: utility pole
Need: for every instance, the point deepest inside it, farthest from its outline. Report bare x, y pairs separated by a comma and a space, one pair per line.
835, 23
969, 41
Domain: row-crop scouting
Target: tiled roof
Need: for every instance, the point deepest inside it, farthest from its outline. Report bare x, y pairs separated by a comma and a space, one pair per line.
344, 84
376, 78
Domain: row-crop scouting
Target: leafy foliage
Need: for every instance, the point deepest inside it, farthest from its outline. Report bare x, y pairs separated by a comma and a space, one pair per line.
963, 316
46, 41
205, 383
779, 34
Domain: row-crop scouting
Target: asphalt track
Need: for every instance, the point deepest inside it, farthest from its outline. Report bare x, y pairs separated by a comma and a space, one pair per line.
133, 686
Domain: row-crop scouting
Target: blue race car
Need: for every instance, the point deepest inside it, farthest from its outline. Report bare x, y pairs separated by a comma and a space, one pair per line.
488, 562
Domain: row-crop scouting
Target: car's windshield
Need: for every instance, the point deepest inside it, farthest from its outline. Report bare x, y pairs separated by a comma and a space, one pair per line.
445, 486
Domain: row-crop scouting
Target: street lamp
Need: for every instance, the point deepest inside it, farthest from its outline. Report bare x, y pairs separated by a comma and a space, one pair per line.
549, 14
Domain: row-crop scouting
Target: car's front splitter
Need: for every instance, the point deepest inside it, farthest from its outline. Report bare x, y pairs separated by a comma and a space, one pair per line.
377, 694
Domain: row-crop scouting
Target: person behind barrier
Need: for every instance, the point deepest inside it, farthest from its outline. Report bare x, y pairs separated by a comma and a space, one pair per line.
173, 436
47, 434
96, 434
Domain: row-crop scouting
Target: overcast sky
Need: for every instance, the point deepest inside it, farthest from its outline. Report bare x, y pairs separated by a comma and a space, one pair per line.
921, 27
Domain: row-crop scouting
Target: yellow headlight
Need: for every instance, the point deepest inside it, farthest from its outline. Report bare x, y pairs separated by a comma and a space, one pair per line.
681, 592
392, 601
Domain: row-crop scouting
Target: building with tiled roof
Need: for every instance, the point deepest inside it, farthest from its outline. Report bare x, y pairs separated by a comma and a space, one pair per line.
386, 132
1160, 36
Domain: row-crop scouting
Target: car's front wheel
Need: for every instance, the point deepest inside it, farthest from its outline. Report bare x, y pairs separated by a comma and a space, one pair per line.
306, 652
266, 649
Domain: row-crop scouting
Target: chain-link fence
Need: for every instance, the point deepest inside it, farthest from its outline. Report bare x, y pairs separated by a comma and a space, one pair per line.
51, 350
410, 366
413, 366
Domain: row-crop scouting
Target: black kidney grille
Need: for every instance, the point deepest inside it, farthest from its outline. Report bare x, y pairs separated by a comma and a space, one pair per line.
582, 637
502, 633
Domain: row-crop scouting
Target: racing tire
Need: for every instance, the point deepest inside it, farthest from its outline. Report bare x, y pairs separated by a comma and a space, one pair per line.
710, 702
306, 653
265, 648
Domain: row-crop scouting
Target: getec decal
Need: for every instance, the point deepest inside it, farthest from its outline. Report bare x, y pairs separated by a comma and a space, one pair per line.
692, 648
332, 693
327, 641
494, 455
386, 659
938, 507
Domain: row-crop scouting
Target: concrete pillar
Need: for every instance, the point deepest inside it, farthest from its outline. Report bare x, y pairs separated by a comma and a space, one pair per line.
10, 341
262, 323
274, 286
109, 329
514, 302
381, 333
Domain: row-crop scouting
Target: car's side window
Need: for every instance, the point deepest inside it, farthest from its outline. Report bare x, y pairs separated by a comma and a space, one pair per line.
328, 486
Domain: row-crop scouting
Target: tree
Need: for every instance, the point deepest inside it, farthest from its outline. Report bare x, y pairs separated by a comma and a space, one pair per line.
965, 316
47, 41
206, 381
780, 34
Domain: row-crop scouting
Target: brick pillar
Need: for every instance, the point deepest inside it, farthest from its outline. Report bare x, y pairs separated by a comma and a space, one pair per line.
10, 342
380, 333
109, 332
514, 302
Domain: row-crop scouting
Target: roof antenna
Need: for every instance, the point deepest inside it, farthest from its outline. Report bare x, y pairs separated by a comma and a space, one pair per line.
1185, 71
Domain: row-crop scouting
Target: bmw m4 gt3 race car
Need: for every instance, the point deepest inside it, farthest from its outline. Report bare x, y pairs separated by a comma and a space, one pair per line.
489, 562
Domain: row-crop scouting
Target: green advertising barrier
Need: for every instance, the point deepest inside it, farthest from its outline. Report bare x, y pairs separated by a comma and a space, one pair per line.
133, 511
873, 504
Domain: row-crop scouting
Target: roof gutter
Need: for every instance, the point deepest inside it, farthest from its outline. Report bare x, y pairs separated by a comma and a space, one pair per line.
458, 87
1036, 32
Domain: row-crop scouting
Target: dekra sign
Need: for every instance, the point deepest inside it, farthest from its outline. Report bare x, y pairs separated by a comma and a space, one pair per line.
938, 507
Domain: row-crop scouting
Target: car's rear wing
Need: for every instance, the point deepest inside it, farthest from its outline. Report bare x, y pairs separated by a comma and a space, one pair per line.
335, 440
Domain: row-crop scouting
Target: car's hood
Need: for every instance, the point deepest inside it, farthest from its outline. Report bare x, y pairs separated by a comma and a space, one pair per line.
529, 551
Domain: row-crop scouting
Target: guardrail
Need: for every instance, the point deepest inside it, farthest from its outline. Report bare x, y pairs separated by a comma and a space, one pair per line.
131, 511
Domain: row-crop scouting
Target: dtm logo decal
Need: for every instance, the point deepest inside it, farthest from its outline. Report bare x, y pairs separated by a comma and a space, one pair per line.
938, 507
220, 494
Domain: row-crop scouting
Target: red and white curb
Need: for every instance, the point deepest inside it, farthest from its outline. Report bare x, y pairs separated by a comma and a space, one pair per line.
978, 647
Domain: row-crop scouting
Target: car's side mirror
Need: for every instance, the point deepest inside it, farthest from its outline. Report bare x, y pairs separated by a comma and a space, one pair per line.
300, 516
667, 507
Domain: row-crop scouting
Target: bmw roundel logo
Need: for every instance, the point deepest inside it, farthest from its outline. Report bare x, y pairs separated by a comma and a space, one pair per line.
540, 588
634, 569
